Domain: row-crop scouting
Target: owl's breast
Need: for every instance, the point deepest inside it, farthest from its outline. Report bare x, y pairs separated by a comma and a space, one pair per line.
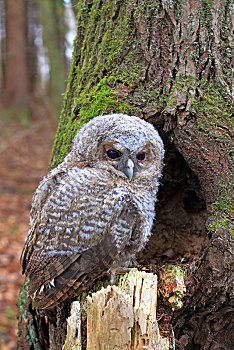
85, 205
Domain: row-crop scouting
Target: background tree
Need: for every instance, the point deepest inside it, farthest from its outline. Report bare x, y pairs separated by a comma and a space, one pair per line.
16, 80
170, 63
26, 133
34, 59
54, 31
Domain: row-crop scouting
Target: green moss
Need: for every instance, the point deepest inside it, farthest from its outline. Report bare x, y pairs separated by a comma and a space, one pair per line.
107, 62
99, 74
184, 85
177, 271
223, 12
223, 208
23, 298
205, 14
95, 101
26, 319
96, 70
213, 110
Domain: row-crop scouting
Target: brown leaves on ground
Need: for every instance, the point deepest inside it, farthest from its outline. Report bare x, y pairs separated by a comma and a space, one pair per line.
24, 159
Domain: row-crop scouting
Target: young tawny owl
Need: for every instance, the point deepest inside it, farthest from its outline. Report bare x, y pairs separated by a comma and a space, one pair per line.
95, 211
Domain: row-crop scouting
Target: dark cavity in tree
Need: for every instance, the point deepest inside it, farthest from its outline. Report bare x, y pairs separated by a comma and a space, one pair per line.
179, 230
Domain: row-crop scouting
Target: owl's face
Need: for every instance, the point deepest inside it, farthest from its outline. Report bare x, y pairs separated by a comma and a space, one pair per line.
128, 147
129, 162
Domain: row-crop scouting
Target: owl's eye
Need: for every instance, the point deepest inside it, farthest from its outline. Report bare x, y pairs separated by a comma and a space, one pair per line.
113, 154
141, 156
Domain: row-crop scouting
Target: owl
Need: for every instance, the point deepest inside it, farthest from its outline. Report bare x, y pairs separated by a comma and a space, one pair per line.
95, 211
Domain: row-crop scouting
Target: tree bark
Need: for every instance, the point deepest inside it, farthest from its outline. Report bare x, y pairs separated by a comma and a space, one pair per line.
169, 63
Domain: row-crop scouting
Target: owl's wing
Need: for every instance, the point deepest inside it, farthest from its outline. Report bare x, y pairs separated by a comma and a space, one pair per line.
56, 274
78, 271
41, 194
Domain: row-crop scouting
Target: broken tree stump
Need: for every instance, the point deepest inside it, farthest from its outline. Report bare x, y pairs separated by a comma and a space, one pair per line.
73, 339
120, 317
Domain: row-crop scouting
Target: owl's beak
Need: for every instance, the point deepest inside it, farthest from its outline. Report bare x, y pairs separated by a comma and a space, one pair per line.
128, 170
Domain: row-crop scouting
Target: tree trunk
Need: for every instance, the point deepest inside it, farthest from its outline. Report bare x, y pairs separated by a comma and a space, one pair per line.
169, 63
2, 42
16, 81
32, 37
49, 12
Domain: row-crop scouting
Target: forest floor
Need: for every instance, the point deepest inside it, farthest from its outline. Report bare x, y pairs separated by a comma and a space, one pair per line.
25, 148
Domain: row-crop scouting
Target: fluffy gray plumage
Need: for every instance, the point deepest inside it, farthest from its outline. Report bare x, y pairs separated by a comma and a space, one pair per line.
95, 211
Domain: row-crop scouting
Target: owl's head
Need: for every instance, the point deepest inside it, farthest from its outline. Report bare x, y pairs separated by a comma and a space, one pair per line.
127, 146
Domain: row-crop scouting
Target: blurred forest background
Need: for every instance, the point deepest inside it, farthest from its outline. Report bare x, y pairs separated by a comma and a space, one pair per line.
35, 52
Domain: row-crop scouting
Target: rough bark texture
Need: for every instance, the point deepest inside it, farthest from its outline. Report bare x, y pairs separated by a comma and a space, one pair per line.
170, 63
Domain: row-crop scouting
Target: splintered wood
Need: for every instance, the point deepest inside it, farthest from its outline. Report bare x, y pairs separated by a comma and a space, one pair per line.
123, 317
73, 339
